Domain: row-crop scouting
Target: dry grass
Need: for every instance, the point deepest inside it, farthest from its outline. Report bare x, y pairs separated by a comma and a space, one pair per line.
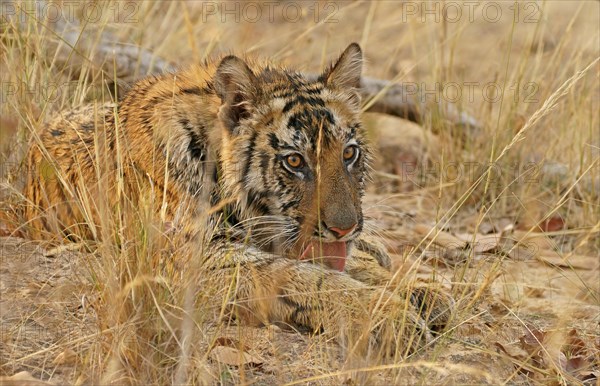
535, 162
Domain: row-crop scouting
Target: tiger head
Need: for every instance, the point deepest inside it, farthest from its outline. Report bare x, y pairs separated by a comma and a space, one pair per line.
294, 156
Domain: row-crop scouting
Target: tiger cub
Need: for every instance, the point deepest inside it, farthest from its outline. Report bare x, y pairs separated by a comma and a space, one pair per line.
274, 160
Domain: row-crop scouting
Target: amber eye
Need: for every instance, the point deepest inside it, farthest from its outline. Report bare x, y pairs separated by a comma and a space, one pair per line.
294, 161
350, 153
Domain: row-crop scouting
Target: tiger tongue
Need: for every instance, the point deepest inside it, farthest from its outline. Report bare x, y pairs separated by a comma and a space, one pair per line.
331, 254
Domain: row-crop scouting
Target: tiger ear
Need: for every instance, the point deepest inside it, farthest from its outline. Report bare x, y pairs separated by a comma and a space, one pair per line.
235, 84
347, 70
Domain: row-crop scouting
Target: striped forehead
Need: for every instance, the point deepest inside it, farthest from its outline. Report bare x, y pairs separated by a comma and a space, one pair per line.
304, 111
302, 127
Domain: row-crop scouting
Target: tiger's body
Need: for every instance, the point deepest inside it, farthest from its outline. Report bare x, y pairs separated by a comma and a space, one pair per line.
282, 161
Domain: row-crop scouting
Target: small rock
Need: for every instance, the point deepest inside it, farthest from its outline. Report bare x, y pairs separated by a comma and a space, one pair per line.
403, 150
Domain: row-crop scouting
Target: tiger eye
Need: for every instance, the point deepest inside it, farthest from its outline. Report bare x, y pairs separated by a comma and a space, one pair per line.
294, 160
349, 153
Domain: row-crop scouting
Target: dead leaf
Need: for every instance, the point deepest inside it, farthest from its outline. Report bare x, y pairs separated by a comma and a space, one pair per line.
440, 237
454, 257
527, 356
522, 252
512, 351
233, 357
553, 224
71, 247
575, 364
229, 342
577, 357
574, 261
519, 357
481, 243
486, 228
540, 240
590, 377
67, 357
505, 226
562, 361
533, 219
532, 340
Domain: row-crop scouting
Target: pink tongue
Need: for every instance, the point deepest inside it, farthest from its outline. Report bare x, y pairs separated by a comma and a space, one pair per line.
331, 254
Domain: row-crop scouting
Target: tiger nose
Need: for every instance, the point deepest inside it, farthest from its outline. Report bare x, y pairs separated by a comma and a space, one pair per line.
339, 233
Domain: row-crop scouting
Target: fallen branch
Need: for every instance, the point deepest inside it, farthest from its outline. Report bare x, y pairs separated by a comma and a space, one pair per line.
383, 96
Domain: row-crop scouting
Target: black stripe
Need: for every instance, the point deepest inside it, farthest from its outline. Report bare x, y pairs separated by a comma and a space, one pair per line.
196, 144
297, 121
248, 153
280, 183
288, 106
306, 119
289, 204
320, 283
88, 126
257, 201
192, 90
353, 129
285, 94
300, 99
327, 115
264, 165
274, 141
298, 308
